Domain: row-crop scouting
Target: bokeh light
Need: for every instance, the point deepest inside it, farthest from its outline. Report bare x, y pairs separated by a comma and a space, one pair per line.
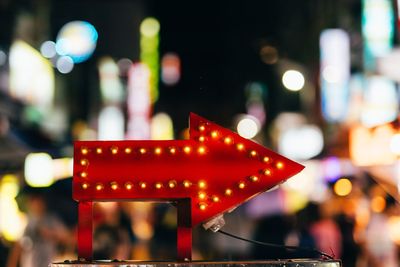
162, 127
269, 54
39, 169
342, 187
248, 126
78, 40
395, 144
65, 64
12, 221
149, 27
170, 69
378, 204
293, 80
302, 142
48, 49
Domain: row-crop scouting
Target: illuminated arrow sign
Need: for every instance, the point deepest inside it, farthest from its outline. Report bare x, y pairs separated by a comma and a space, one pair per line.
205, 176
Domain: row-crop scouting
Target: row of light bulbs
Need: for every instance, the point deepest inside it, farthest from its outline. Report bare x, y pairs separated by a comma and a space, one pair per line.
173, 184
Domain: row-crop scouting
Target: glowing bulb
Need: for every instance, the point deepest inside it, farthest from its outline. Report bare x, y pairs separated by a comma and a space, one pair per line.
187, 149
85, 186
254, 178
240, 147
84, 162
172, 184
84, 174
128, 150
84, 150
187, 184
202, 128
114, 186
266, 159
202, 195
228, 140
228, 192
214, 134
267, 172
279, 165
157, 151
201, 150
99, 187
202, 184
253, 153
114, 150
128, 186
202, 138
142, 185
158, 185
172, 150
142, 150
202, 206
215, 199
241, 185
99, 150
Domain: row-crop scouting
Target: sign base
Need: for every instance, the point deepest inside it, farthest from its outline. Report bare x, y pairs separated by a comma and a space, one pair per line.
274, 263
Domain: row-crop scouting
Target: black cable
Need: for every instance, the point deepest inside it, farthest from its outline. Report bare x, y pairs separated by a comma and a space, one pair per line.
322, 254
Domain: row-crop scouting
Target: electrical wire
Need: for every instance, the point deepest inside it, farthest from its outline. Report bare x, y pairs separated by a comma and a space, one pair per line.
322, 254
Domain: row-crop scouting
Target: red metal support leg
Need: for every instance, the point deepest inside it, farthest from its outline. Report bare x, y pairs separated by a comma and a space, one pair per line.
184, 230
85, 230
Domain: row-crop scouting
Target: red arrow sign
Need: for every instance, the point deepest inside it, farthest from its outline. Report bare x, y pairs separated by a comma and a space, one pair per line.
207, 175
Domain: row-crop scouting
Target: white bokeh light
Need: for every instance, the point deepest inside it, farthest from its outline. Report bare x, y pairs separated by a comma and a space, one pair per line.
302, 142
248, 127
48, 49
65, 64
293, 80
395, 144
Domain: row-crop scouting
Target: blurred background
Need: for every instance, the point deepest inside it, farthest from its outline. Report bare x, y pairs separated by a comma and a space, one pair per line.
316, 81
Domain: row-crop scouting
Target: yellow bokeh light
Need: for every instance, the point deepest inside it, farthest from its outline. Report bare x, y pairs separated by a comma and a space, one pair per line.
342, 187
150, 27
13, 222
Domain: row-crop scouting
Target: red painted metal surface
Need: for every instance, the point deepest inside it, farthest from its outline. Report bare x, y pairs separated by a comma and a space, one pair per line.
214, 171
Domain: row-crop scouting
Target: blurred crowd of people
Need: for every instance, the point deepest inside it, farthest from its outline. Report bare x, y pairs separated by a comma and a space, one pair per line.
355, 229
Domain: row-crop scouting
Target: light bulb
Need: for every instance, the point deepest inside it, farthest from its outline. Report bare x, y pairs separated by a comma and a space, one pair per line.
114, 186
241, 185
172, 184
187, 184
99, 187
114, 150
187, 149
215, 199
240, 147
254, 178
128, 186
228, 192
